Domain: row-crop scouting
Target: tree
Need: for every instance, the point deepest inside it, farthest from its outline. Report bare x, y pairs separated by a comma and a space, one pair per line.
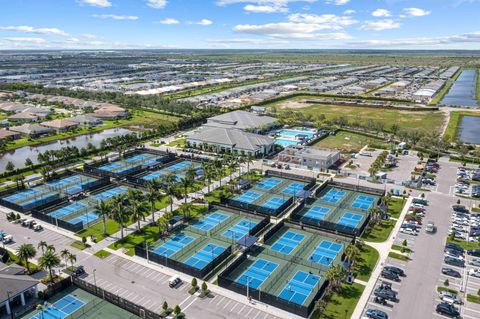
50, 248
72, 258
42, 245
9, 167
120, 214
177, 310
25, 252
170, 188
103, 211
28, 162
204, 286
153, 195
186, 209
48, 261
64, 254
165, 306
194, 282
352, 253
137, 205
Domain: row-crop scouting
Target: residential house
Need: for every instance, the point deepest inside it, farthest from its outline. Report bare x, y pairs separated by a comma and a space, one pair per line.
25, 117
9, 135
86, 120
60, 125
32, 130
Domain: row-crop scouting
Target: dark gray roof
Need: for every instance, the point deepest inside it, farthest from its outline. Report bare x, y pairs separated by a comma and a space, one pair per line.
231, 137
240, 119
14, 284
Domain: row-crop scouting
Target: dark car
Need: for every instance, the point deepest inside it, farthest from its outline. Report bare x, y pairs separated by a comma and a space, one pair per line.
448, 310
387, 294
453, 252
420, 201
390, 275
474, 252
78, 271
395, 270
454, 246
451, 272
454, 262
376, 314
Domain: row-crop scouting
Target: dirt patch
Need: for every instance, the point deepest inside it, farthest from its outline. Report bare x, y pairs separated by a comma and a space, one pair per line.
293, 105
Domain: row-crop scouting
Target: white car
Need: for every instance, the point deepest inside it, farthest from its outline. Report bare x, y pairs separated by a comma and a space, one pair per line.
474, 272
450, 298
447, 254
408, 231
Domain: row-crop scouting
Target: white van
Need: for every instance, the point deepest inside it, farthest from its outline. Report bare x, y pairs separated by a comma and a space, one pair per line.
7, 239
27, 223
174, 281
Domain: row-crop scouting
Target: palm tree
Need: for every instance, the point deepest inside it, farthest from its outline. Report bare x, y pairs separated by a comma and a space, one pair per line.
72, 259
42, 245
351, 254
207, 174
138, 208
50, 248
25, 252
186, 183
48, 261
170, 188
104, 209
186, 209
120, 214
153, 195
64, 254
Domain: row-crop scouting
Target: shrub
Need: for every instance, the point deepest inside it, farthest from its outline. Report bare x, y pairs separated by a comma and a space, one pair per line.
446, 282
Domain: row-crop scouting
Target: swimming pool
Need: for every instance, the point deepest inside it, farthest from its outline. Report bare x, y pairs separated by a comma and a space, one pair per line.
288, 137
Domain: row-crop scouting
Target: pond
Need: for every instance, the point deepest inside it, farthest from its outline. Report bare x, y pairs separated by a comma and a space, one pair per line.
469, 131
463, 91
18, 156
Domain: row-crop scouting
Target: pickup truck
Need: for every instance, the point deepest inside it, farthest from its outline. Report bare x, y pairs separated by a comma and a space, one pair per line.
430, 227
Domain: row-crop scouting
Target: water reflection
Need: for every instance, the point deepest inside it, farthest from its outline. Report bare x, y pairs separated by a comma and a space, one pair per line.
462, 92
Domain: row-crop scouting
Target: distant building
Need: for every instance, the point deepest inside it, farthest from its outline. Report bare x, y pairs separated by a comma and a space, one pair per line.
60, 125
228, 140
32, 130
241, 120
25, 117
9, 135
309, 157
86, 120
16, 288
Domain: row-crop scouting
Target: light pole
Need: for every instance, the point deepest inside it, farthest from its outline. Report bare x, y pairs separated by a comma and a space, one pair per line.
95, 280
9, 305
248, 287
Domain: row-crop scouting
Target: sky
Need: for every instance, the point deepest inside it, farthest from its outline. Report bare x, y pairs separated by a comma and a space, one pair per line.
240, 24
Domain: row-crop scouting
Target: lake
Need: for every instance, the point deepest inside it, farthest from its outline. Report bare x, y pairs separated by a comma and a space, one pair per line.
462, 92
18, 156
469, 131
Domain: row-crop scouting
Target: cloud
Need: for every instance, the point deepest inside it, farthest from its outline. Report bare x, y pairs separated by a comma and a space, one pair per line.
30, 40
247, 41
324, 21
380, 25
96, 3
29, 29
349, 12
381, 13
337, 2
157, 4
288, 30
416, 12
262, 2
473, 37
169, 21
89, 36
250, 8
204, 22
115, 17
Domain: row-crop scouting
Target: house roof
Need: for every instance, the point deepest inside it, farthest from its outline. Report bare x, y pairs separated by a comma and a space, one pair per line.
16, 281
59, 123
31, 129
232, 137
84, 118
240, 119
6, 133
23, 115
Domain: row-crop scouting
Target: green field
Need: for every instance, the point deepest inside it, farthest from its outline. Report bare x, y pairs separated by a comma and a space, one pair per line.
423, 121
342, 304
366, 262
347, 142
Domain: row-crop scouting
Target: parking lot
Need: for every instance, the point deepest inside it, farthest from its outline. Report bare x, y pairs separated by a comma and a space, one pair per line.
405, 166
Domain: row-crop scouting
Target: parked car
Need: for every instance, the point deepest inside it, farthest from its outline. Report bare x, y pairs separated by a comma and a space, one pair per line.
447, 310
454, 262
451, 272
390, 275
474, 272
408, 231
385, 293
451, 298
474, 252
475, 262
396, 270
376, 314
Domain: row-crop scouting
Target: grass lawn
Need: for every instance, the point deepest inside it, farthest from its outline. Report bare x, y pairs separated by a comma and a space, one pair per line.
102, 254
343, 304
214, 196
347, 142
453, 291
453, 127
473, 298
423, 121
13, 259
399, 248
380, 231
465, 244
398, 256
366, 262
78, 245
395, 206
181, 143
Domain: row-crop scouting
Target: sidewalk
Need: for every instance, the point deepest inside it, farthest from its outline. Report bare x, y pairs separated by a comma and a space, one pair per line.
383, 249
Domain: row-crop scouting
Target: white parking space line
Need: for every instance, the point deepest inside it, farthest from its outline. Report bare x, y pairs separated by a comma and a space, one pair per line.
220, 301
248, 312
226, 305
241, 309
234, 306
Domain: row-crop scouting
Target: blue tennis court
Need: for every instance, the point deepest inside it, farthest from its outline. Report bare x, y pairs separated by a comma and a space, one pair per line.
274, 203
65, 181
205, 256
325, 253
240, 229
61, 309
67, 210
21, 195
153, 176
350, 220
317, 212
257, 273
210, 221
293, 189
268, 183
106, 195
299, 287
111, 166
363, 202
173, 245
179, 166
333, 196
288, 242
248, 197
85, 218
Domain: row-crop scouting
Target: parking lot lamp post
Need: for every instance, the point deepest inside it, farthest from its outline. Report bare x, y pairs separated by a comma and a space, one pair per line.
95, 280
9, 305
248, 287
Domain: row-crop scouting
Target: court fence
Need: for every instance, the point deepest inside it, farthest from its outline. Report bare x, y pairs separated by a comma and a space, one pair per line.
302, 310
140, 251
114, 299
256, 208
310, 181
57, 222
265, 220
